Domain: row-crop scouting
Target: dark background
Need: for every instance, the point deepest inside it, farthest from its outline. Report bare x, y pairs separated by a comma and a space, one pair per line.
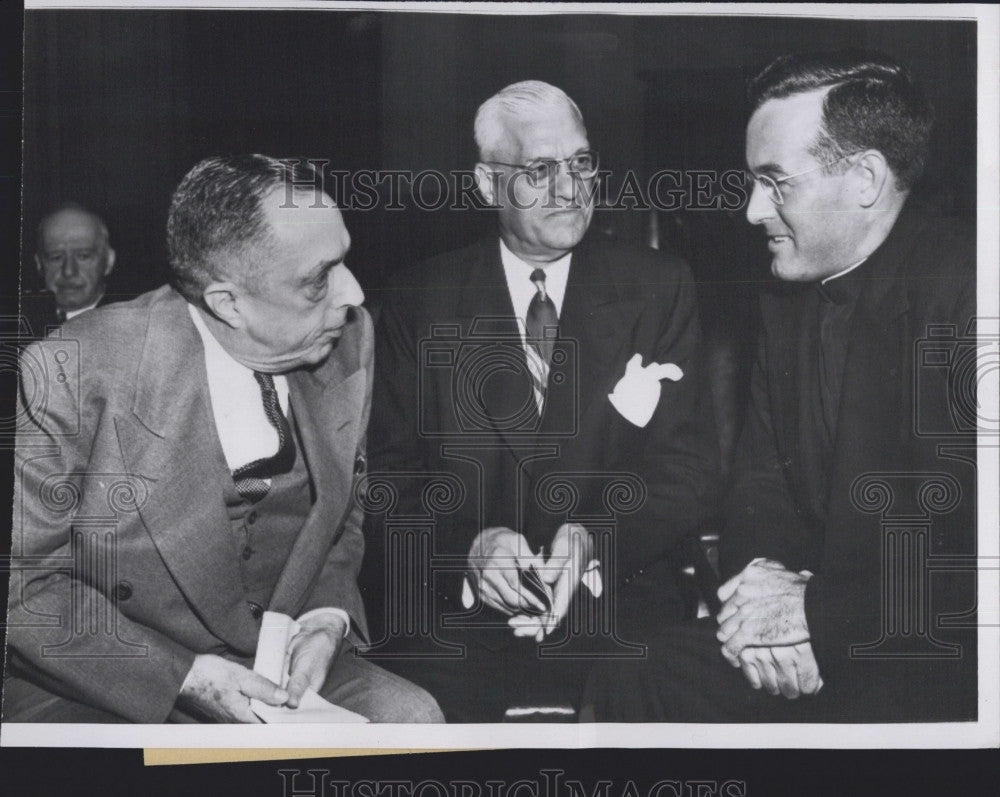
120, 104
118, 110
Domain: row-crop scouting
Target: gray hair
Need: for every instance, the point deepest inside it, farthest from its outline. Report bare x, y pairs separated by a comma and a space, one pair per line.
74, 207
529, 99
217, 219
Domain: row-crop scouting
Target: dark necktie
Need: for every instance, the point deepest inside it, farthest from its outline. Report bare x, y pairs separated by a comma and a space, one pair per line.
251, 479
542, 321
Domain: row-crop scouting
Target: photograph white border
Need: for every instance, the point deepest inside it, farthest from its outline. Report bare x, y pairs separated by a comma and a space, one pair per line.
983, 733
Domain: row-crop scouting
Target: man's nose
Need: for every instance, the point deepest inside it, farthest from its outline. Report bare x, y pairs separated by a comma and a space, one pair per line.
346, 290
70, 268
760, 207
563, 182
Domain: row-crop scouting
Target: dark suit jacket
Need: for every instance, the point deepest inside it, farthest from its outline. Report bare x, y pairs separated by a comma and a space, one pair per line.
452, 396
121, 441
895, 431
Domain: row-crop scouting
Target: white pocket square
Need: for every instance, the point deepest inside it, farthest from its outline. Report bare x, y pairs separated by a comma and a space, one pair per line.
638, 392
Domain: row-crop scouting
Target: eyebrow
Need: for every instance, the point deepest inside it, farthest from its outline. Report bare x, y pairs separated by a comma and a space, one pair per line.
320, 268
547, 158
767, 168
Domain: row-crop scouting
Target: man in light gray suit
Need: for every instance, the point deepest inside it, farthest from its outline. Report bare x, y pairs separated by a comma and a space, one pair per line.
186, 461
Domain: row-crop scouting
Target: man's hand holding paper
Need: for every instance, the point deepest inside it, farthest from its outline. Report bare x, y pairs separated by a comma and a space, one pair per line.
312, 652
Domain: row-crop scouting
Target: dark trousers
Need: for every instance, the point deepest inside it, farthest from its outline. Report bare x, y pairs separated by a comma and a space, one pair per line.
685, 679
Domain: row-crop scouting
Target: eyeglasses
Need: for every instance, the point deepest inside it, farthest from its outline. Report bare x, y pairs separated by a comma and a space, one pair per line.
541, 170
772, 187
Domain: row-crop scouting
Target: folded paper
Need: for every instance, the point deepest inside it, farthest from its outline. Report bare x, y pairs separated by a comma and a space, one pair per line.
276, 632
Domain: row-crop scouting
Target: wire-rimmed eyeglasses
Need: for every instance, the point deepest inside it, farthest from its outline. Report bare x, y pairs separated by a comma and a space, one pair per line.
541, 170
772, 187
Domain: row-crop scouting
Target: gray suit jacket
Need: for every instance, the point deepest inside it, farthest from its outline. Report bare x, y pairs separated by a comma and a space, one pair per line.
124, 568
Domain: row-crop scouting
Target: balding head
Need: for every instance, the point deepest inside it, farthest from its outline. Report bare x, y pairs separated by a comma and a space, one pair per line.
74, 257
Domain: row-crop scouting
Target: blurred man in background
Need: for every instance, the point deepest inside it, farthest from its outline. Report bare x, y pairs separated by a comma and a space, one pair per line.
74, 258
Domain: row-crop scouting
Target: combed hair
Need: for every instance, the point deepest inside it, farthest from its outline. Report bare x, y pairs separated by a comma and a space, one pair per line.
872, 103
217, 218
528, 99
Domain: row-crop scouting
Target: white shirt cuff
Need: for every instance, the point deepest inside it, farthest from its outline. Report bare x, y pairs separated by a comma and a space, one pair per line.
313, 613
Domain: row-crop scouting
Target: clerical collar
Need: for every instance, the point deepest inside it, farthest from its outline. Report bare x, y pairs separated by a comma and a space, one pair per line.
844, 286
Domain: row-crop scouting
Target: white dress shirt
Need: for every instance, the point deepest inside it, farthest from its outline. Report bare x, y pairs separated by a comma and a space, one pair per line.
238, 408
522, 290
244, 430
81, 310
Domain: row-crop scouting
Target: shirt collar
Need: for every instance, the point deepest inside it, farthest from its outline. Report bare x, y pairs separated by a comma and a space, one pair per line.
225, 372
844, 286
518, 274
68, 314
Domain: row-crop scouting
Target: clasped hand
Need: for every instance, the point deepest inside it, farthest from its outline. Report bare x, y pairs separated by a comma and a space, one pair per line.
221, 690
498, 554
763, 629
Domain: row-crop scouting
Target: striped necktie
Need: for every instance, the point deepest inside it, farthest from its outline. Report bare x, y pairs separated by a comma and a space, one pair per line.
542, 324
253, 479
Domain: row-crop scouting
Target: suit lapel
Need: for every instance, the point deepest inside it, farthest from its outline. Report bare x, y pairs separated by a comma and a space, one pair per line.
594, 326
494, 355
328, 406
171, 439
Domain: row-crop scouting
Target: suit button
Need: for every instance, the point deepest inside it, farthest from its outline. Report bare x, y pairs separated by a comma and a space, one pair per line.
360, 465
256, 610
247, 552
252, 517
123, 590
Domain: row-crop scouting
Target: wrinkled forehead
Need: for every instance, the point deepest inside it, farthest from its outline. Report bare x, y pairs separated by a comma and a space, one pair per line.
300, 207
297, 214
72, 227
548, 133
781, 131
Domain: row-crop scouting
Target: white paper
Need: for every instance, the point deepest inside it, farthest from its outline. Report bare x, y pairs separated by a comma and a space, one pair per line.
271, 661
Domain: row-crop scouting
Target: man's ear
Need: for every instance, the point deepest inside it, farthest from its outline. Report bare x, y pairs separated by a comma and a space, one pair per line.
873, 175
486, 182
221, 300
111, 262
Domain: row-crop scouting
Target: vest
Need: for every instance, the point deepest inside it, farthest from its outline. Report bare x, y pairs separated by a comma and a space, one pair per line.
265, 532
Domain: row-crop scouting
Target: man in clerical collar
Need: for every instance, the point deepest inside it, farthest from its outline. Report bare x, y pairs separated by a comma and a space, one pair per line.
827, 612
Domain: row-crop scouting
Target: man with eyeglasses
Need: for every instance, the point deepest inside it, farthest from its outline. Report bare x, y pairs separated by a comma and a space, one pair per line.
497, 368
852, 482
